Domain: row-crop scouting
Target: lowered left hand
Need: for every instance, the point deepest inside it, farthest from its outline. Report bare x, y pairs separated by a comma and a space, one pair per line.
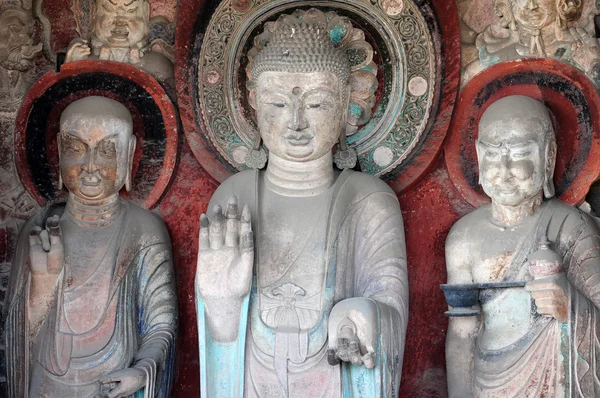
551, 296
127, 381
353, 332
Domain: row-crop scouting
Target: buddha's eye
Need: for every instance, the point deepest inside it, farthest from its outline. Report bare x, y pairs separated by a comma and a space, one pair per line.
132, 10
107, 148
277, 104
313, 106
491, 154
108, 8
519, 155
72, 145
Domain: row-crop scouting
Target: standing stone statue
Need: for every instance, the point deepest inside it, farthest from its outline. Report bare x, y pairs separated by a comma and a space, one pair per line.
301, 285
93, 309
539, 339
119, 33
542, 29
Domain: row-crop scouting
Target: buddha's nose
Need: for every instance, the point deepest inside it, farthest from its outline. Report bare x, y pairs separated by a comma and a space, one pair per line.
90, 165
297, 122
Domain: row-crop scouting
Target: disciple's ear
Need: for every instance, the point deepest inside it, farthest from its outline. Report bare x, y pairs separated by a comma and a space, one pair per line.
60, 181
478, 161
549, 172
130, 153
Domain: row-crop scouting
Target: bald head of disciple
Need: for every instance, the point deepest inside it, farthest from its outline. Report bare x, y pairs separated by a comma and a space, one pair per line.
516, 151
96, 147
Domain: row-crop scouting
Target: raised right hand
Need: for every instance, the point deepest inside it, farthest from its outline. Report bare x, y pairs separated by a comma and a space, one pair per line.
46, 250
78, 51
226, 253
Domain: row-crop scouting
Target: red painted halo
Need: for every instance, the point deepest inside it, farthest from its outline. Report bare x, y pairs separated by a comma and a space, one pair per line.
574, 103
155, 126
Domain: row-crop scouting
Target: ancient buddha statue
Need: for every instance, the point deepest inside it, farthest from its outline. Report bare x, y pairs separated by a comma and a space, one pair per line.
93, 310
120, 33
301, 268
541, 29
538, 339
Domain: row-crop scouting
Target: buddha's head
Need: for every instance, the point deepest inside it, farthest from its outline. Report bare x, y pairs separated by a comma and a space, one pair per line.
537, 14
96, 146
16, 39
516, 150
302, 90
121, 23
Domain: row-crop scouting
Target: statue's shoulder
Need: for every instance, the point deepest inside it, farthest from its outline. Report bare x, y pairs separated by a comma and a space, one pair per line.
241, 184
470, 224
567, 217
363, 184
146, 222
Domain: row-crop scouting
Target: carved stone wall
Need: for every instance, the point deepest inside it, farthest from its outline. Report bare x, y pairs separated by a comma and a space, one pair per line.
425, 180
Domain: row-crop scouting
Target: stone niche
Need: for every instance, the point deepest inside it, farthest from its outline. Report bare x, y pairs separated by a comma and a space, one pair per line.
196, 126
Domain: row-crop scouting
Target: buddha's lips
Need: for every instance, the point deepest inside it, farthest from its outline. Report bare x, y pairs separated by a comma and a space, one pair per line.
90, 181
298, 140
120, 33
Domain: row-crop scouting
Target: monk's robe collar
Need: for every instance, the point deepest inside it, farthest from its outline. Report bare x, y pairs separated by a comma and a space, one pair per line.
93, 216
299, 179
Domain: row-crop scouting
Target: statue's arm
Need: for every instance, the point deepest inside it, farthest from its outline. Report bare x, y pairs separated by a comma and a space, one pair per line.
460, 339
157, 304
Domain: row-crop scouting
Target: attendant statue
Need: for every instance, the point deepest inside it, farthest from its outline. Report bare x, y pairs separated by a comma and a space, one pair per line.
93, 310
17, 55
301, 285
536, 263
120, 33
541, 29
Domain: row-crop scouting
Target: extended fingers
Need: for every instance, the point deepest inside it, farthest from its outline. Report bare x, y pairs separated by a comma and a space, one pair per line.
34, 236
54, 232
204, 242
216, 229
232, 226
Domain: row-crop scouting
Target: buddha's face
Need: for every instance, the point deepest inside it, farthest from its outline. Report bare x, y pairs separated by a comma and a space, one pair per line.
95, 153
512, 164
121, 23
300, 115
534, 14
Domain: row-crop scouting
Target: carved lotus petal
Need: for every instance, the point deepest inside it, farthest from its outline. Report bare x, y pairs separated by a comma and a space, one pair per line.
288, 290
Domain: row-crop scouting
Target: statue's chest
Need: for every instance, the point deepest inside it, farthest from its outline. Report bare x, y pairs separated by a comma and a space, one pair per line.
292, 268
496, 257
87, 288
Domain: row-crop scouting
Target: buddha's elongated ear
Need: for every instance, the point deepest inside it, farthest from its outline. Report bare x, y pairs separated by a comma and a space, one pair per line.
60, 181
549, 168
130, 153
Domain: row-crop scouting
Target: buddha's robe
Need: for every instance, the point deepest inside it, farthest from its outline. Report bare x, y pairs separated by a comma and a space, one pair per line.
311, 253
552, 359
136, 328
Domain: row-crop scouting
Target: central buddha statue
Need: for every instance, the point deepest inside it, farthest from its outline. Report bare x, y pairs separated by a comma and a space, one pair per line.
301, 284
538, 264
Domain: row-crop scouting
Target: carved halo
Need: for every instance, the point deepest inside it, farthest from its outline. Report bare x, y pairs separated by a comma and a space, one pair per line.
154, 117
393, 80
571, 98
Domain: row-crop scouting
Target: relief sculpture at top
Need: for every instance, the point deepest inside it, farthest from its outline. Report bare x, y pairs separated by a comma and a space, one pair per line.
524, 272
301, 268
538, 28
93, 310
119, 33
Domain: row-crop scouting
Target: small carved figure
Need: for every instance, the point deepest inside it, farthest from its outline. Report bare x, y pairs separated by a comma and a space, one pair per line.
301, 269
542, 29
536, 264
92, 304
120, 33
17, 54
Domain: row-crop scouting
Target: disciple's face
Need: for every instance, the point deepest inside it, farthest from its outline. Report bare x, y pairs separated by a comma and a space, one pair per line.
300, 115
121, 23
511, 165
94, 155
534, 14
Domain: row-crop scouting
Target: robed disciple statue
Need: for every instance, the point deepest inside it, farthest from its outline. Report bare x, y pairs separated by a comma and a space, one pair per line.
537, 263
93, 310
301, 285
